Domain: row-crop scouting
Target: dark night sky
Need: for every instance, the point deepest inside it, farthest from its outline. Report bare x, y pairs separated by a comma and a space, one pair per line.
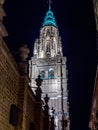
76, 24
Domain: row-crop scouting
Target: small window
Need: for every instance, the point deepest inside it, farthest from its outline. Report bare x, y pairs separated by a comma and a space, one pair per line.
51, 74
14, 111
42, 74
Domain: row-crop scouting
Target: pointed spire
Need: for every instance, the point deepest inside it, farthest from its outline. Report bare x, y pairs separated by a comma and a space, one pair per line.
50, 2
49, 17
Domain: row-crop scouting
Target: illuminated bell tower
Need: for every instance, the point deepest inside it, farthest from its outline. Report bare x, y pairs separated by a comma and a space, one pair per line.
49, 63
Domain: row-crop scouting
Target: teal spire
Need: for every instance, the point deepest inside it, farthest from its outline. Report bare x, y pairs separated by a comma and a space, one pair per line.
49, 18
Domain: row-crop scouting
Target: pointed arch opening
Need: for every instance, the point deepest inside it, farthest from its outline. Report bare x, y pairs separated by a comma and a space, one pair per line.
42, 74
51, 73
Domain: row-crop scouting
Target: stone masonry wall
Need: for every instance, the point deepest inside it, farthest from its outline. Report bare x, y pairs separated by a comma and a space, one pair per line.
9, 83
15, 89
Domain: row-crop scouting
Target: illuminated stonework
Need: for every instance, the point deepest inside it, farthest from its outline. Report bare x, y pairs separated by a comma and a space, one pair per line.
48, 44
49, 63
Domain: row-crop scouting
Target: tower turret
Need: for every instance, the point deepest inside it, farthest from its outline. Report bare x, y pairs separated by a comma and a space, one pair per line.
49, 42
46, 62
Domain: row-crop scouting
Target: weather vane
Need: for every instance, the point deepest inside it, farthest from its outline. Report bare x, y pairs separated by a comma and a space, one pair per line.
49, 2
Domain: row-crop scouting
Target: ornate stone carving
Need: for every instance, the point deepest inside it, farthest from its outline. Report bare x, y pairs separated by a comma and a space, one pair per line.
46, 107
38, 90
24, 51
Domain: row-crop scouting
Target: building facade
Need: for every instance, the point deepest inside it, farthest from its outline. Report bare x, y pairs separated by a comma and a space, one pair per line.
19, 107
93, 123
48, 62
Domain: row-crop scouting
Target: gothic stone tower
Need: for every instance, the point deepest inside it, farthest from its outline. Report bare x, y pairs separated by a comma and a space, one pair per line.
49, 63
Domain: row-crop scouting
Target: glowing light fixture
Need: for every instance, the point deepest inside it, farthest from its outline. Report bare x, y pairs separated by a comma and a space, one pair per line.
49, 18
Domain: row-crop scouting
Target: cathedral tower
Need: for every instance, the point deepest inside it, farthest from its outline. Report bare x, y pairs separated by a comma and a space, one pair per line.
49, 63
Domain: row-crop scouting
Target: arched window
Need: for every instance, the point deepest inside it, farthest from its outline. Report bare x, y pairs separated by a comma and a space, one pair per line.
51, 73
42, 74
